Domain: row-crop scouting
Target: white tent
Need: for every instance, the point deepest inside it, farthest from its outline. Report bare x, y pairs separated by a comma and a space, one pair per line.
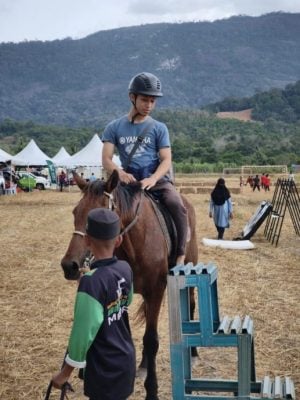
61, 155
4, 156
89, 156
31, 155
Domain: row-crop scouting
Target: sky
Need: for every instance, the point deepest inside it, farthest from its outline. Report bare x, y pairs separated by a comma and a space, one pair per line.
58, 19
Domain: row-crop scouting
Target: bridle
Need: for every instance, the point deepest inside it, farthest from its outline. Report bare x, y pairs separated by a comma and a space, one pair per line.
112, 206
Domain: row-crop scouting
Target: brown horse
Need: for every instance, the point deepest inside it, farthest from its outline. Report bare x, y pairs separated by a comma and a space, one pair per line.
144, 247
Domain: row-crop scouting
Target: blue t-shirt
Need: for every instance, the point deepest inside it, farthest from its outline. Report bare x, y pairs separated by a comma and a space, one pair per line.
123, 134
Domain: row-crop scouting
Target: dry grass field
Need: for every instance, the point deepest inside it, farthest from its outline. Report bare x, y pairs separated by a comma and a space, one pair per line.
37, 303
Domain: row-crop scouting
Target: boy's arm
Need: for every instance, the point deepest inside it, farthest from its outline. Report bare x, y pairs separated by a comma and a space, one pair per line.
62, 377
110, 166
88, 318
162, 169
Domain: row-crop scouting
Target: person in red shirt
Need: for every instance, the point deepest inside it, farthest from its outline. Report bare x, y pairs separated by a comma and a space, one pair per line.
267, 183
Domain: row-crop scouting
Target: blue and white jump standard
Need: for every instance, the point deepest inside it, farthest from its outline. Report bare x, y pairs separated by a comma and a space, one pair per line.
209, 331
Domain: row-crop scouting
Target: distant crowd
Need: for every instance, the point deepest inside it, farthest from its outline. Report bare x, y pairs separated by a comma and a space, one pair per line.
257, 182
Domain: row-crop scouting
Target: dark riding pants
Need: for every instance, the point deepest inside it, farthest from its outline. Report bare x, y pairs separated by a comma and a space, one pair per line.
173, 201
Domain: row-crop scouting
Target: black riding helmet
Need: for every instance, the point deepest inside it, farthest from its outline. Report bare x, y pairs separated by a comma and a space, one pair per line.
146, 84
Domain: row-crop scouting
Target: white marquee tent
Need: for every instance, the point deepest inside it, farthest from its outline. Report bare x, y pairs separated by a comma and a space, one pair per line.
61, 155
31, 155
88, 159
89, 156
5, 156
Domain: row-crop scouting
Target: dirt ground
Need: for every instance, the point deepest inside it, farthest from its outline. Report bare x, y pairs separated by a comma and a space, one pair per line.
37, 303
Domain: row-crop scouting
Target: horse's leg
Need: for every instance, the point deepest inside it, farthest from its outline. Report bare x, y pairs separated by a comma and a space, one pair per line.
192, 256
151, 345
194, 351
150, 340
143, 365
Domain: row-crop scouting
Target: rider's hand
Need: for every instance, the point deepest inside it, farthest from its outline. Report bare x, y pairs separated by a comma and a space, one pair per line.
125, 177
148, 183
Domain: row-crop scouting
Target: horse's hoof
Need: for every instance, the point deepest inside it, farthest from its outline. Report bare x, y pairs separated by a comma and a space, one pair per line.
141, 373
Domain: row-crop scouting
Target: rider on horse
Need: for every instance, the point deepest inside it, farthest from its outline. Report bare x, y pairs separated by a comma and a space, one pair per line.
145, 151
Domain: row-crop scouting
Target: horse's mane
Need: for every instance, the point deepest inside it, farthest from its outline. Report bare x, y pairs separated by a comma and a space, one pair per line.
124, 194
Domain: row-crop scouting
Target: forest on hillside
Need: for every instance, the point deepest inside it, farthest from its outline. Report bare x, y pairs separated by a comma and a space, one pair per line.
198, 139
278, 104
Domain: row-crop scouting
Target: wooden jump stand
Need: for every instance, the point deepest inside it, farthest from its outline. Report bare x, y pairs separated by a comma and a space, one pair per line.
209, 331
285, 197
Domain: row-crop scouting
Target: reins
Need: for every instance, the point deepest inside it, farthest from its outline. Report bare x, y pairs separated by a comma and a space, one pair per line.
66, 387
136, 217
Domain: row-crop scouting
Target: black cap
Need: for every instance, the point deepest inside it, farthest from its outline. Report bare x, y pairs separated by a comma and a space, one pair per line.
103, 224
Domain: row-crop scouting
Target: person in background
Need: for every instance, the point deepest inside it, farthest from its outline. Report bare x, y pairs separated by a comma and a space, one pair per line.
256, 183
152, 161
92, 178
100, 339
220, 207
62, 180
267, 183
250, 181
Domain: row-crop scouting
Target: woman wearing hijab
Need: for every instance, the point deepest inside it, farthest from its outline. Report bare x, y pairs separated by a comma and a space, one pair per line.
220, 207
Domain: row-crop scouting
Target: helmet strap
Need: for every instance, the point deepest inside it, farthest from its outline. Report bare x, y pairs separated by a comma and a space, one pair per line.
137, 113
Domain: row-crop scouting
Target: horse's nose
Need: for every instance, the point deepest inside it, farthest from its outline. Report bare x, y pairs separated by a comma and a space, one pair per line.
71, 269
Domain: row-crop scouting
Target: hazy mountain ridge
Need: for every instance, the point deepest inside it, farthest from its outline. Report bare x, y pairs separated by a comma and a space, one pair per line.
78, 82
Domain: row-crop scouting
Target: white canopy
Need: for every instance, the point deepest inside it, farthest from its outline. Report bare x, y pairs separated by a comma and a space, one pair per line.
31, 155
4, 156
61, 155
89, 156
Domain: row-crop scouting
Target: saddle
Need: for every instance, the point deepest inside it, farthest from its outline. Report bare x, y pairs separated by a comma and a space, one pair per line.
167, 225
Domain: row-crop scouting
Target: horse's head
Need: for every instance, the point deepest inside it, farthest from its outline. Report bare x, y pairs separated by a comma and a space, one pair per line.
95, 194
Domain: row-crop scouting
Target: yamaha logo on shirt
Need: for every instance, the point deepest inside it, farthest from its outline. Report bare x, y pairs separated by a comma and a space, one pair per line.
132, 139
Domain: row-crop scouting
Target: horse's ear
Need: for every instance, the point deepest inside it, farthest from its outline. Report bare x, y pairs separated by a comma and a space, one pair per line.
81, 183
112, 181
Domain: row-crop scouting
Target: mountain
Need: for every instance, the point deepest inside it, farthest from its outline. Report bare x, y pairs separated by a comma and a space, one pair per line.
84, 82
